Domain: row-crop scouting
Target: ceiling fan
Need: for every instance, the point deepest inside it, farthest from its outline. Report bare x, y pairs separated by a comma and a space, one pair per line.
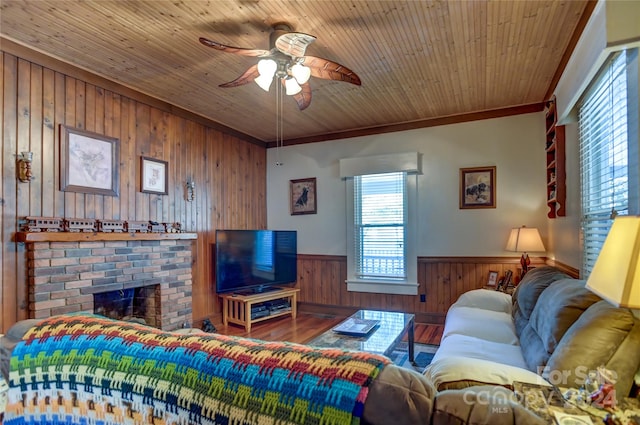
287, 62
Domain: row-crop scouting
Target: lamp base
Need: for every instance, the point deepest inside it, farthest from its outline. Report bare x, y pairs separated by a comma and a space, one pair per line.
524, 263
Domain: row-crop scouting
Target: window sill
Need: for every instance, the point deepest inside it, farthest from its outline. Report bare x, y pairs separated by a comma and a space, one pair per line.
382, 287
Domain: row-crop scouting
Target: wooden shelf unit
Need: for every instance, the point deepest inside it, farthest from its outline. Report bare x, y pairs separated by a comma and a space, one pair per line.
555, 153
236, 308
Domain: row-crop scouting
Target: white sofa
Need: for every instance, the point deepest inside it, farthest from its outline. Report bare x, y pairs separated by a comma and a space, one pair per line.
553, 330
479, 344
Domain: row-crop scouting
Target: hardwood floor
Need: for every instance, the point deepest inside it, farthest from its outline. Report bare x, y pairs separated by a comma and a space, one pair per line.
307, 326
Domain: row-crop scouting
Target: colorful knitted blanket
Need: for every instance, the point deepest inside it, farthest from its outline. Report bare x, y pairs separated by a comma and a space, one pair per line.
86, 369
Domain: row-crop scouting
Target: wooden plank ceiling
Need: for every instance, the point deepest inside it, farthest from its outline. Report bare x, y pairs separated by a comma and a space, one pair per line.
418, 60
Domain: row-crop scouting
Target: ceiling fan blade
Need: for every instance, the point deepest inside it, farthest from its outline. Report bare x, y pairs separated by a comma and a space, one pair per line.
303, 99
248, 76
230, 49
294, 43
329, 70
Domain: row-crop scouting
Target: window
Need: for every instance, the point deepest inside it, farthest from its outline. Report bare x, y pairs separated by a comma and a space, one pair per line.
380, 226
382, 232
606, 146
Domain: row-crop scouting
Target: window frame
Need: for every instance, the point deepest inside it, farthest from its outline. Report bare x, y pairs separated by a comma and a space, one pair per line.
397, 226
595, 226
406, 286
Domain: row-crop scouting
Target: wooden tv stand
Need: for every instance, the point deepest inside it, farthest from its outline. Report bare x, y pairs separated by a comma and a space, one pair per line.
236, 308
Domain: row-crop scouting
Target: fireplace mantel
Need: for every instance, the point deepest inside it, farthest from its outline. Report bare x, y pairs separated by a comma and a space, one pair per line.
99, 236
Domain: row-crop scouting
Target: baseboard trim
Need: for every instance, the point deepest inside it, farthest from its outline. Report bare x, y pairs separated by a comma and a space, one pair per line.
430, 318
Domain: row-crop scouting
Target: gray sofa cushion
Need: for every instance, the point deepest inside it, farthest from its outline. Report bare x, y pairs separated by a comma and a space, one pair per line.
533, 349
602, 336
528, 290
558, 307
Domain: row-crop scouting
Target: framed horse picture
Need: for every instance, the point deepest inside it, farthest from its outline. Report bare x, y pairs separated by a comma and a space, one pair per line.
303, 196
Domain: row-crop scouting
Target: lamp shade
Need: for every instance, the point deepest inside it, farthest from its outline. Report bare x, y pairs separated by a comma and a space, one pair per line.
291, 86
267, 67
264, 82
616, 273
301, 73
525, 239
266, 70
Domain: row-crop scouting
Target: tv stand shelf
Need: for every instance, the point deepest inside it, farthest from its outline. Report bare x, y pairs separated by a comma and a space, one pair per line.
236, 308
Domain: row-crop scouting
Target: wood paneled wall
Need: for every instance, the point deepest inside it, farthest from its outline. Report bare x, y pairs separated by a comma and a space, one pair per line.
36, 99
37, 95
321, 280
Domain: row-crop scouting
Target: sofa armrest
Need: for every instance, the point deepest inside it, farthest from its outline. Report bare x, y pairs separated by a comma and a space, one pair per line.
486, 299
10, 340
461, 372
399, 395
489, 325
481, 405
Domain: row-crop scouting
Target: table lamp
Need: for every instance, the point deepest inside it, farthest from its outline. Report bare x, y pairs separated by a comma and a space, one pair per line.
616, 274
525, 239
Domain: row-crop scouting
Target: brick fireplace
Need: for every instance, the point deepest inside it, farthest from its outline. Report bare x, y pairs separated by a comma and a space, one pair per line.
65, 270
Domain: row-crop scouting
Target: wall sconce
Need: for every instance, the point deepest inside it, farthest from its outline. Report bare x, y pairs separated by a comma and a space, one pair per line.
24, 166
191, 190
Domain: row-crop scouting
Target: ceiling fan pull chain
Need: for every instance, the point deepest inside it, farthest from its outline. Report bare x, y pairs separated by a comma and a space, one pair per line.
279, 134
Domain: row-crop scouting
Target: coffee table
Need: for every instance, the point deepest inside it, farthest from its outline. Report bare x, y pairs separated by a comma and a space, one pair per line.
381, 340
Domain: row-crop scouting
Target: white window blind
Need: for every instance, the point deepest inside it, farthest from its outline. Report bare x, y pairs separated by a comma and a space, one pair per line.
604, 156
380, 222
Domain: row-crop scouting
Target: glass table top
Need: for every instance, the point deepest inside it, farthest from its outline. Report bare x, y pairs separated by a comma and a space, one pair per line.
380, 340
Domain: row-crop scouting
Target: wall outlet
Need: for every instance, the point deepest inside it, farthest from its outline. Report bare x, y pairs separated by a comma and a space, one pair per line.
423, 298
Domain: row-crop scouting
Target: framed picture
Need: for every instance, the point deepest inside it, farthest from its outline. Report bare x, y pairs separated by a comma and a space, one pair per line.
154, 176
88, 162
303, 196
478, 187
505, 282
492, 280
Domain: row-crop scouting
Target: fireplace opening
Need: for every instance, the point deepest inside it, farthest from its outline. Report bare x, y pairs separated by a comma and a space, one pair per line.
132, 304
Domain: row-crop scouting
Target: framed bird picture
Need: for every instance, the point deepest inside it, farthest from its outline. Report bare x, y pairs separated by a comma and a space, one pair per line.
304, 198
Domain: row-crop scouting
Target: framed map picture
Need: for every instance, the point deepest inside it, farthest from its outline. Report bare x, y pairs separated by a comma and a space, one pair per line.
88, 162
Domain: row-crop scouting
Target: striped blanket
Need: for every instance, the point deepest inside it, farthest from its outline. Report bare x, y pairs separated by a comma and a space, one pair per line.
86, 369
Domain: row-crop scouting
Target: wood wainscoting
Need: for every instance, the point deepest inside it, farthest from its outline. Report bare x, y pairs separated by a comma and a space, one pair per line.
321, 279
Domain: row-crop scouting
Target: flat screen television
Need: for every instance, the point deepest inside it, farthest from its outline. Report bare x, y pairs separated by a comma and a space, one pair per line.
253, 261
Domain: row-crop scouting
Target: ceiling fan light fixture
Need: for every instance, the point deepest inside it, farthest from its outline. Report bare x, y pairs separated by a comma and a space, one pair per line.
264, 82
301, 73
267, 67
292, 87
287, 63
